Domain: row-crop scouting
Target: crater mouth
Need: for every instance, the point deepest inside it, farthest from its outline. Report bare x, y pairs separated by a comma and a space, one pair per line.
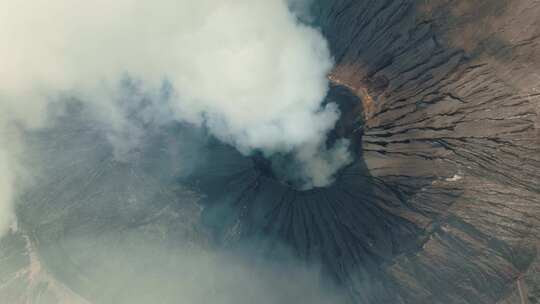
284, 168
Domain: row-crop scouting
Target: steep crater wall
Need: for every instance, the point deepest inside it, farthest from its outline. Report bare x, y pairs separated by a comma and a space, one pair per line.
450, 90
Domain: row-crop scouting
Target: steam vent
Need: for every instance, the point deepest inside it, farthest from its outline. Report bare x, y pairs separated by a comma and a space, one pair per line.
439, 204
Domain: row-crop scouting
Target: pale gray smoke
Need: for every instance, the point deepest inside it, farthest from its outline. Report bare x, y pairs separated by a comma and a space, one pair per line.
247, 70
6, 190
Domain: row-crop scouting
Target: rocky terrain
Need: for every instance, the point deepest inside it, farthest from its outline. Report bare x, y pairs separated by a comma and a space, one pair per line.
441, 100
450, 90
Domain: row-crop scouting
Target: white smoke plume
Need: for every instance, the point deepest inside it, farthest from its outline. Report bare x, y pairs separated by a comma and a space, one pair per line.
247, 70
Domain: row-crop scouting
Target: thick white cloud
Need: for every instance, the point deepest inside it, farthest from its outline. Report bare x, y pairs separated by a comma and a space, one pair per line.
247, 69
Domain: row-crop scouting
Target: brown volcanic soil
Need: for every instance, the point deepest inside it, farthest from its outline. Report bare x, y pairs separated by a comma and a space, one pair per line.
452, 97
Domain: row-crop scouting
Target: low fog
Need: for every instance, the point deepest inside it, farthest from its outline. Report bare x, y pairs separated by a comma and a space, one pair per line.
84, 79
248, 71
135, 230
